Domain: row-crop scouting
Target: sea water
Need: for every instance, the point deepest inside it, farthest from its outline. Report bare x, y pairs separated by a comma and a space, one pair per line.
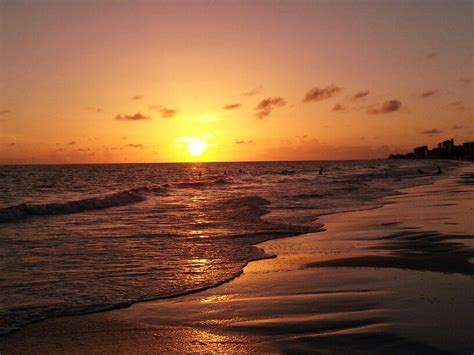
77, 239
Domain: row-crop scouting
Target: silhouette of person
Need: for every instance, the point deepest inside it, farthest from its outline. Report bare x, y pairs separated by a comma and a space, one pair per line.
439, 172
420, 171
321, 169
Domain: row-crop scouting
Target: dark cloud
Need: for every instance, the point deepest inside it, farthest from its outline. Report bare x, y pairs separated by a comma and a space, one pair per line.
137, 97
134, 145
12, 144
241, 141
431, 55
317, 94
164, 111
386, 107
360, 95
432, 132
429, 93
83, 149
338, 107
135, 117
265, 107
253, 92
72, 143
455, 126
232, 106
4, 112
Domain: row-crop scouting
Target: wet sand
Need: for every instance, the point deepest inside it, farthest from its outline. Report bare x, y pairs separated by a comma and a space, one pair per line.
397, 279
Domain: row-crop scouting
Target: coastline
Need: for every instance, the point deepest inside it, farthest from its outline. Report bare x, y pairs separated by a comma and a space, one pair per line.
310, 296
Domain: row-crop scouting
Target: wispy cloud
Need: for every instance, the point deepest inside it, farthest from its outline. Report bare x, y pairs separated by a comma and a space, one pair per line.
464, 81
318, 94
12, 144
4, 112
231, 106
386, 107
265, 107
431, 55
338, 107
136, 97
432, 132
456, 105
72, 143
455, 126
134, 145
244, 142
360, 95
164, 111
429, 93
95, 109
136, 117
253, 92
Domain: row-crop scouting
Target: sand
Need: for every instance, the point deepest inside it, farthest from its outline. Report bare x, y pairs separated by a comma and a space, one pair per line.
396, 279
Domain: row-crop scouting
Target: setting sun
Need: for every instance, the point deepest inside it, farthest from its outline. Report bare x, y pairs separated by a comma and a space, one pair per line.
196, 147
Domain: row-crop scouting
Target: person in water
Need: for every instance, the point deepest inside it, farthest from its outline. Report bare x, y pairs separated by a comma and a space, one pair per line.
439, 172
321, 169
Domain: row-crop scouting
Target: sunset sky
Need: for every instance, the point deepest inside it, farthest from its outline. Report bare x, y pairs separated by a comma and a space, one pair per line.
166, 81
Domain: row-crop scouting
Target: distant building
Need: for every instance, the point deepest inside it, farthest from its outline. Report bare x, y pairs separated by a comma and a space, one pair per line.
421, 152
447, 146
468, 149
444, 150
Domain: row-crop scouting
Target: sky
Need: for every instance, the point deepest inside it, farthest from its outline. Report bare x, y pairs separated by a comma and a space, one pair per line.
102, 81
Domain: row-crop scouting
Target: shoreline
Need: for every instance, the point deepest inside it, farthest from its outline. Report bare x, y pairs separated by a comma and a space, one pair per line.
120, 320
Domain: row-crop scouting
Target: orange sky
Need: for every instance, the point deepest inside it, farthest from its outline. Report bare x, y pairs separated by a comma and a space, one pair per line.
136, 81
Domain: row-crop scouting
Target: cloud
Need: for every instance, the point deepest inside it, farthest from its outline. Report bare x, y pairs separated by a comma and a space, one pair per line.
243, 142
231, 106
136, 117
464, 81
72, 143
4, 112
338, 107
312, 149
253, 92
432, 132
386, 107
455, 126
431, 55
360, 95
134, 145
164, 111
137, 97
12, 144
96, 109
456, 105
429, 93
317, 94
266, 106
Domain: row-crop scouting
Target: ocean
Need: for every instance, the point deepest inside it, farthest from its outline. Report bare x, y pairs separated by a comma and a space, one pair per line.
77, 239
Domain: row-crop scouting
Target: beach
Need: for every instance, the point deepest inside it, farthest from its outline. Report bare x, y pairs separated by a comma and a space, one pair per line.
395, 279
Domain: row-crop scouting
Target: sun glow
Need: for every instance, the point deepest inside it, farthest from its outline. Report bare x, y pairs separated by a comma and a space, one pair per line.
196, 147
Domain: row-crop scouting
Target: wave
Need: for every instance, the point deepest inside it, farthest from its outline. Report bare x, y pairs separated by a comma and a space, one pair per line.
13, 213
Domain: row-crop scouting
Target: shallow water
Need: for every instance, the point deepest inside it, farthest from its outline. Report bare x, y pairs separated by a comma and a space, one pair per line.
83, 238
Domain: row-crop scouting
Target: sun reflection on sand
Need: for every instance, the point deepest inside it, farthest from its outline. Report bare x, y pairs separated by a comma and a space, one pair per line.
215, 298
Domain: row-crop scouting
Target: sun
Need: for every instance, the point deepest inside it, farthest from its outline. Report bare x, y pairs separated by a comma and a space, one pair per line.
196, 147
